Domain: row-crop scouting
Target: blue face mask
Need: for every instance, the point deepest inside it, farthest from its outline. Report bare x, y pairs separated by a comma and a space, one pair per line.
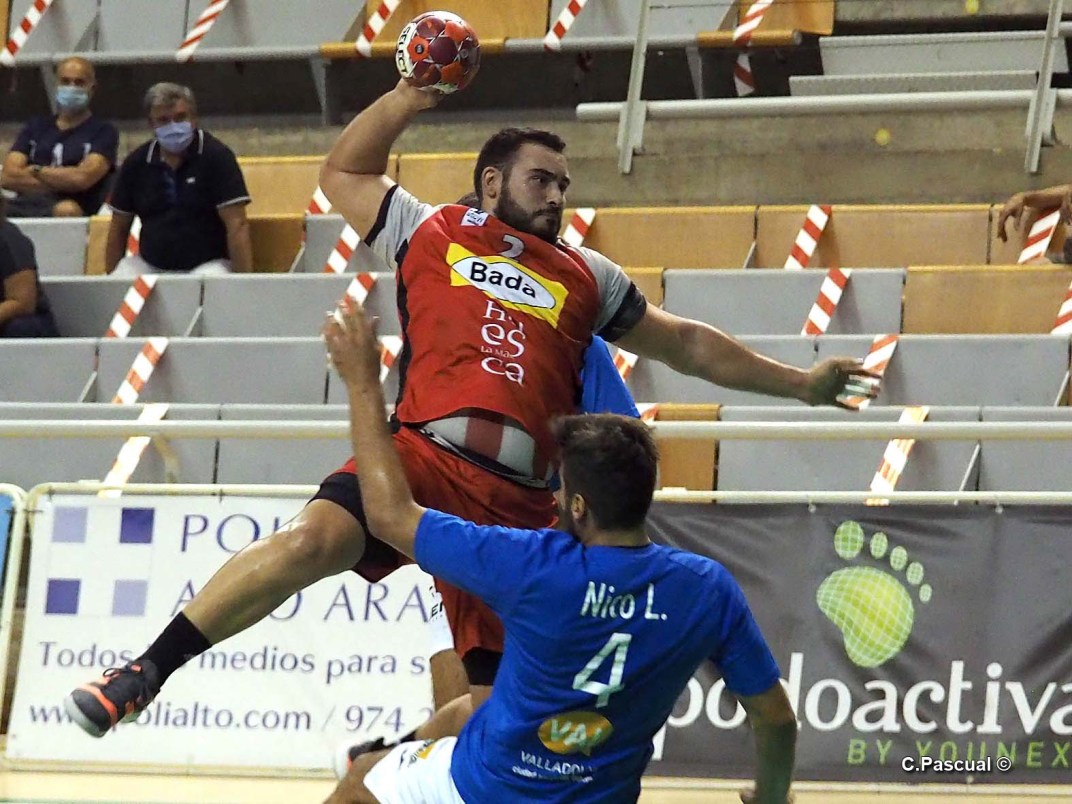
71, 99
175, 137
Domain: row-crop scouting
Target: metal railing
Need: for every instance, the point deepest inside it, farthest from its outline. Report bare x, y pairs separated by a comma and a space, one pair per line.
1041, 102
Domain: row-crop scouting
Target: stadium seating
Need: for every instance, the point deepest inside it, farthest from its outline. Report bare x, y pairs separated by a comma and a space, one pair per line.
966, 369
1025, 465
84, 306
848, 465
997, 299
221, 370
59, 244
262, 461
30, 461
43, 370
321, 236
777, 302
879, 236
286, 306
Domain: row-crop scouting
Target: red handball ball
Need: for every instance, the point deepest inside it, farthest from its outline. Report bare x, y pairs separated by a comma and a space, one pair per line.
440, 50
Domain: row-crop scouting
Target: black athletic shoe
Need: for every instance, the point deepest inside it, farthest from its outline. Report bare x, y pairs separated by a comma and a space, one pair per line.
349, 752
117, 696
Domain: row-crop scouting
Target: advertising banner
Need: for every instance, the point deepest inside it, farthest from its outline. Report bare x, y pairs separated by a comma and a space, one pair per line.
917, 644
7, 513
343, 659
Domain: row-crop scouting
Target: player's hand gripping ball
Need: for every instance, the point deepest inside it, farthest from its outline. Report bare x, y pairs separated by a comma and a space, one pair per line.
438, 50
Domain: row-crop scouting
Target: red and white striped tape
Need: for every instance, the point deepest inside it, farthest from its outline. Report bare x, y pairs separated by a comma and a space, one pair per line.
553, 39
1063, 325
1038, 239
134, 238
895, 458
624, 361
877, 360
201, 27
130, 453
140, 371
390, 346
578, 227
808, 236
21, 32
130, 309
374, 25
360, 287
319, 203
343, 251
826, 302
743, 78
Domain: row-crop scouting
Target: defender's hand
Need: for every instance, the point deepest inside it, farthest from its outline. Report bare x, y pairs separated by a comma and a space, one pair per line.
352, 345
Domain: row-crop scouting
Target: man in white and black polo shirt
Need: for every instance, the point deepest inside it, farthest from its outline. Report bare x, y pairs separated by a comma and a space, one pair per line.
187, 189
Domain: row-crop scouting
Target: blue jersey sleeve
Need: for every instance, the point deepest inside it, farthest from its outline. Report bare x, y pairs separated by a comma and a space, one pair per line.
488, 561
602, 387
742, 655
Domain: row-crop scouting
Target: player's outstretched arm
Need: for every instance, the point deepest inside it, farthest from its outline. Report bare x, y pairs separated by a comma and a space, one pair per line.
702, 351
775, 729
354, 174
390, 510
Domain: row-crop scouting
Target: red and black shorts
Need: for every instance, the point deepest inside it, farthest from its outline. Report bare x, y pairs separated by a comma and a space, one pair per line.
446, 482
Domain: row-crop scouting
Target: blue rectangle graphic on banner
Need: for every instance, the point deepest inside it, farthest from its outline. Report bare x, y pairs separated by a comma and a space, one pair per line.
5, 524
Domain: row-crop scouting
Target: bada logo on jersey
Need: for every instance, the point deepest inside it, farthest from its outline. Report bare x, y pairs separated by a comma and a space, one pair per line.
509, 281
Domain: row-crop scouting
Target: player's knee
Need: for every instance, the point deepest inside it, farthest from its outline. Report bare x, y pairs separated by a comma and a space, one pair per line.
67, 209
318, 549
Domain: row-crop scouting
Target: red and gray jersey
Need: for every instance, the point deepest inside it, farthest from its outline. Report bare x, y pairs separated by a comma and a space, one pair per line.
494, 319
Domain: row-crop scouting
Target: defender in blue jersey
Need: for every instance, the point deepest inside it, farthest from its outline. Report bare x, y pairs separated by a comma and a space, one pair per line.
603, 628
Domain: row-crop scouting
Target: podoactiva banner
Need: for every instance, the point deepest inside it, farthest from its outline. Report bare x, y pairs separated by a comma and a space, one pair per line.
917, 644
343, 659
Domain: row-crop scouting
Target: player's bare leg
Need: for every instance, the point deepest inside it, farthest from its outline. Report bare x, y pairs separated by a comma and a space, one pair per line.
323, 540
351, 788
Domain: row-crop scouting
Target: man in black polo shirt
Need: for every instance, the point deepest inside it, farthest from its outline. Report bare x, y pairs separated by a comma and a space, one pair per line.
60, 165
187, 189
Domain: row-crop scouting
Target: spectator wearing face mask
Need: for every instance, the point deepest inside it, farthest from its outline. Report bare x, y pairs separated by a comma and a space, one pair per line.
60, 165
187, 189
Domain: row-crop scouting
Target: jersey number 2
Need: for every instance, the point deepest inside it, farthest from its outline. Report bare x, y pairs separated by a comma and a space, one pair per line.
618, 644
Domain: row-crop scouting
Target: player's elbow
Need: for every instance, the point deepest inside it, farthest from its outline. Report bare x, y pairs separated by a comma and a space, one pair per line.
395, 525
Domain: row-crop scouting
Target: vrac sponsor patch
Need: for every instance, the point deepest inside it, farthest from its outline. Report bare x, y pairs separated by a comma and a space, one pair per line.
514, 285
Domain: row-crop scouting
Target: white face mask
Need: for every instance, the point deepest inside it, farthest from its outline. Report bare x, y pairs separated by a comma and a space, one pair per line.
175, 137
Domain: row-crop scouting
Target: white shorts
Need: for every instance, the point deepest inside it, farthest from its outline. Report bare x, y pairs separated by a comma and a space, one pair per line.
136, 266
415, 773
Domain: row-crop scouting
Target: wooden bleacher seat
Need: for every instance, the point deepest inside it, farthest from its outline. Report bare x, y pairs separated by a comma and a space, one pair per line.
689, 463
284, 184
674, 237
437, 178
1008, 253
984, 300
877, 236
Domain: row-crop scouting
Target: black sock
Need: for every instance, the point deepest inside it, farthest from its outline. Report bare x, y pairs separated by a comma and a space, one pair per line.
176, 645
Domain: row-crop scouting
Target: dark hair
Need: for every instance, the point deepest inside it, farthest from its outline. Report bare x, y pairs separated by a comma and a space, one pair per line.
500, 149
469, 200
611, 461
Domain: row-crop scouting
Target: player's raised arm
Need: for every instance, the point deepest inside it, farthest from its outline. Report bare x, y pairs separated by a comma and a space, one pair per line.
390, 510
354, 174
700, 350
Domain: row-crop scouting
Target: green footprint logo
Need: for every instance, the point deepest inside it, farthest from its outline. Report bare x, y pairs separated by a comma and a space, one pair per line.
871, 607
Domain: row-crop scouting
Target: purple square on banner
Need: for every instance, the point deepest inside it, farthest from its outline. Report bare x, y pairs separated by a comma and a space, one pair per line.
62, 596
69, 524
136, 526
129, 598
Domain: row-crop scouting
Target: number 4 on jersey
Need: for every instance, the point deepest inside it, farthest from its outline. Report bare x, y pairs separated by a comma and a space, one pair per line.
619, 645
